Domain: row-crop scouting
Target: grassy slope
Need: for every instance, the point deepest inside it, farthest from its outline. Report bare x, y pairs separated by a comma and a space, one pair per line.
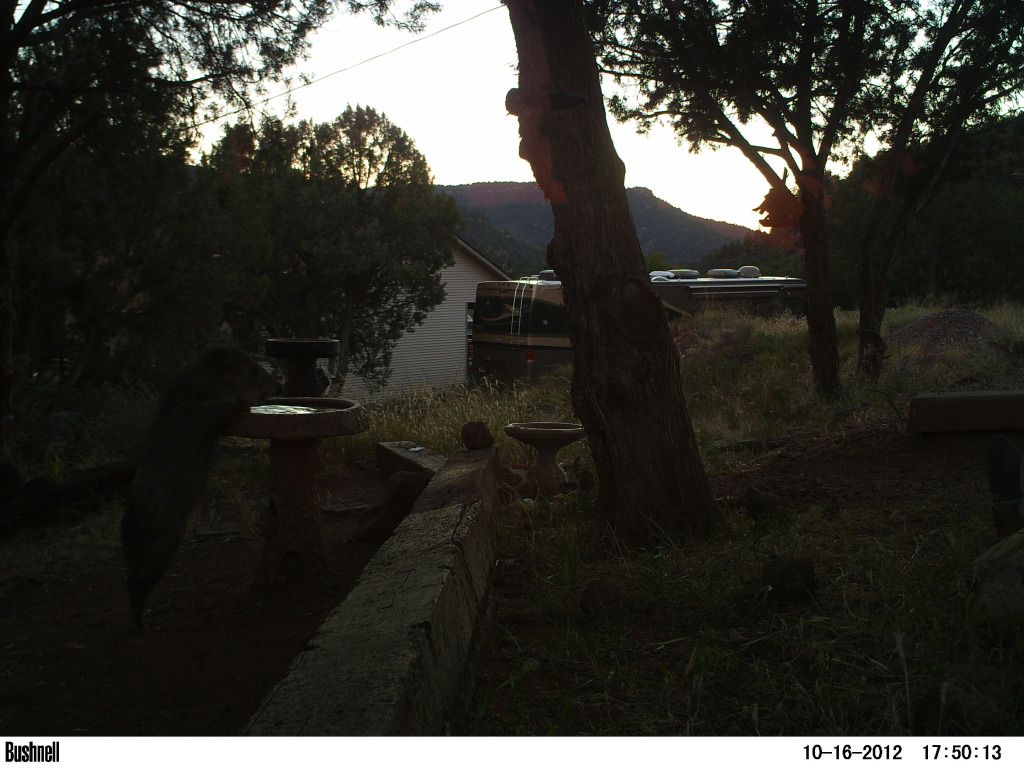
594, 638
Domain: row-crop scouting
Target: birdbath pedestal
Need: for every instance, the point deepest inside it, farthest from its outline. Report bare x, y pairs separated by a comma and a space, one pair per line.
293, 548
300, 356
547, 437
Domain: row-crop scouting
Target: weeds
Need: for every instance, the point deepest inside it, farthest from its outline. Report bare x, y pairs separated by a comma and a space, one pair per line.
692, 644
593, 636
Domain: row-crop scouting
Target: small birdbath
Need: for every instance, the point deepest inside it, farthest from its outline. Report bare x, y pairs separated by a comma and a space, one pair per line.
293, 548
547, 437
300, 356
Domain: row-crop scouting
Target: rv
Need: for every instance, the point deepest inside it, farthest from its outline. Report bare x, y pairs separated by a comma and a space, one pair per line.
520, 331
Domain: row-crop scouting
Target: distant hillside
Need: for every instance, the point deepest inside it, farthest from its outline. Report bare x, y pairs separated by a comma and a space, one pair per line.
511, 222
515, 256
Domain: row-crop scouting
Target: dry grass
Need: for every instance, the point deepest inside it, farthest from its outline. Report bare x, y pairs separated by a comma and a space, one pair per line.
745, 378
594, 637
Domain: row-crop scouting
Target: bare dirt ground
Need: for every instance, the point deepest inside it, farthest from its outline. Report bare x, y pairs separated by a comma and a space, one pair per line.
71, 664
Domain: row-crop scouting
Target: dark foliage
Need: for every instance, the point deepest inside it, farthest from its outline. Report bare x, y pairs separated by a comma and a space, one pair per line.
79, 71
344, 227
965, 244
821, 77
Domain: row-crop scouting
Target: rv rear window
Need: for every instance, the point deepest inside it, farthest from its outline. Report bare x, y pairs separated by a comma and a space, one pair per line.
547, 319
494, 315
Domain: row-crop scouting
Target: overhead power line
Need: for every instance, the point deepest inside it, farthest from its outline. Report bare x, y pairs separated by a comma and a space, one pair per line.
348, 68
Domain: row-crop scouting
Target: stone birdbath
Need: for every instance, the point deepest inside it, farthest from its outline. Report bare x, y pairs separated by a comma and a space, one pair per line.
547, 437
293, 548
300, 356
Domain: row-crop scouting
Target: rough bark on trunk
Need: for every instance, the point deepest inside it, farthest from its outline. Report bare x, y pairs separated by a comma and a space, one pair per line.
821, 321
884, 242
872, 348
872, 295
908, 178
626, 387
10, 480
883, 238
345, 340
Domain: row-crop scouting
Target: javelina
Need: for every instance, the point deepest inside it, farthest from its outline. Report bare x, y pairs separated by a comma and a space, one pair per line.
171, 476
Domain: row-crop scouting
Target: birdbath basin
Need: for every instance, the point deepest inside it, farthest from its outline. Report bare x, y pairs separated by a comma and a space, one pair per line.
547, 437
293, 548
299, 418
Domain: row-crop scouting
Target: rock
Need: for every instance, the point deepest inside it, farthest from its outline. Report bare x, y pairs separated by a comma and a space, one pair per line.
998, 598
789, 578
476, 435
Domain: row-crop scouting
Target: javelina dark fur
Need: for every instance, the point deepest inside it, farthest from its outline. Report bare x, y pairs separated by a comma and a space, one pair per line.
171, 477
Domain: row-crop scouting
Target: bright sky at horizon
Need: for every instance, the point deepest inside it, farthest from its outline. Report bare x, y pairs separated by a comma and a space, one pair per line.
448, 93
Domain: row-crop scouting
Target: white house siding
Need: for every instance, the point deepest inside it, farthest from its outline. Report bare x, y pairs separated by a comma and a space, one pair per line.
434, 353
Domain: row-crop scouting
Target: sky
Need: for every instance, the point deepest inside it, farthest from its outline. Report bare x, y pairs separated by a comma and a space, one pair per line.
447, 92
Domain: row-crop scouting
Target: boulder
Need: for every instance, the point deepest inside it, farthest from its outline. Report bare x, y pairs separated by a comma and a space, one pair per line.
998, 597
476, 435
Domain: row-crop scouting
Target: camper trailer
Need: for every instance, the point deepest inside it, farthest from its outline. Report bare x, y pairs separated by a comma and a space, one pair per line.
520, 331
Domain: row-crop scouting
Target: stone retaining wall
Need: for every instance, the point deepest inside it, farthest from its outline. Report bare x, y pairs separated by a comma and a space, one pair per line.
393, 657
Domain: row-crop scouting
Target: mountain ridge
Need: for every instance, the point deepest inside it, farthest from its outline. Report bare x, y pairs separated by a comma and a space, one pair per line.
512, 223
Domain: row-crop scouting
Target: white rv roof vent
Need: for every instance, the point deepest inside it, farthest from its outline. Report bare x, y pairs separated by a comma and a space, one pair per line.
723, 273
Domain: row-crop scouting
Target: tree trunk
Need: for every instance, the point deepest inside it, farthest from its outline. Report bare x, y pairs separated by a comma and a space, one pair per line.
626, 388
10, 480
884, 241
821, 321
900, 199
345, 341
872, 294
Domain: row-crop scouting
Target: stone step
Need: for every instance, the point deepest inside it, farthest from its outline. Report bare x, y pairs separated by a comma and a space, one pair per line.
966, 412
